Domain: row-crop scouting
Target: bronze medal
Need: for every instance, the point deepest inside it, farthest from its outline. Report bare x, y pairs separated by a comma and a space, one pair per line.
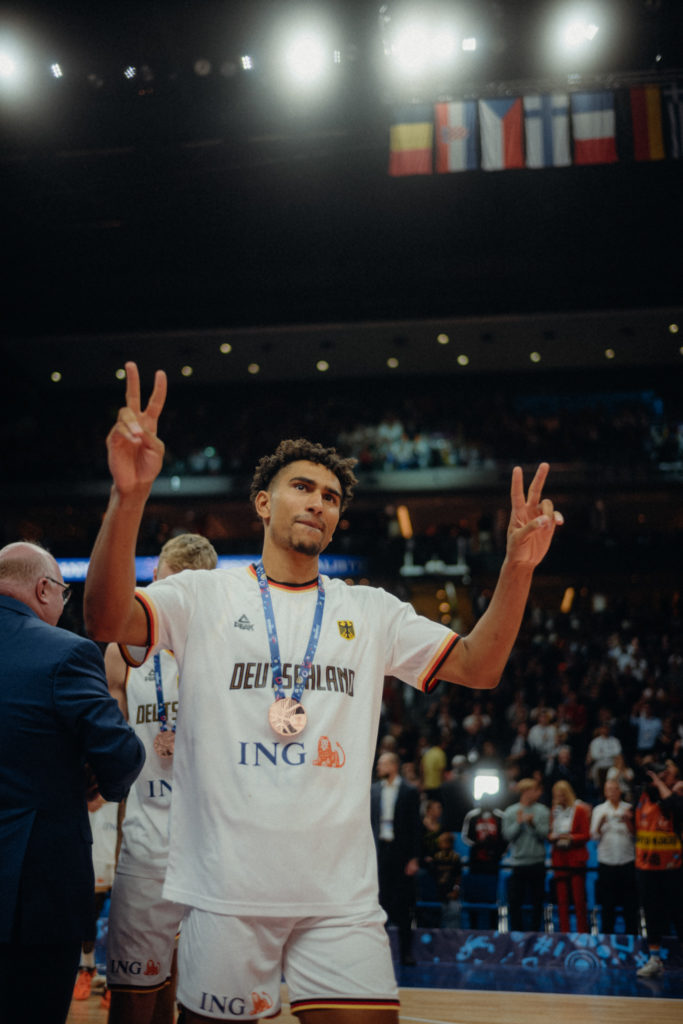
287, 717
164, 742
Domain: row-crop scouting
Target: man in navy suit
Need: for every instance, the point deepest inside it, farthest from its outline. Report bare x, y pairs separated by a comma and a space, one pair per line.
59, 726
396, 826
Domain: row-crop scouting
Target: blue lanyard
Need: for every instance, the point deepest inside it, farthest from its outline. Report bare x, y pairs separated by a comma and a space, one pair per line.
161, 709
276, 663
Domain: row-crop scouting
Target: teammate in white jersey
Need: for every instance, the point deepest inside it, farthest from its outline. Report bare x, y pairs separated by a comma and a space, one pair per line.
142, 925
281, 675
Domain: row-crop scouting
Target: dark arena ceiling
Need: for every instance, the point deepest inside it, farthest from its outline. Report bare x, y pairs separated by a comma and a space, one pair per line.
198, 202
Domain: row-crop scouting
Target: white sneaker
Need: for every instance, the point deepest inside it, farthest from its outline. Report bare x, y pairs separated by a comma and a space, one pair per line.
653, 967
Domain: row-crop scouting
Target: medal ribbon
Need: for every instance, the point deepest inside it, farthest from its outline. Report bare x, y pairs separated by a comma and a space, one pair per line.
161, 709
276, 663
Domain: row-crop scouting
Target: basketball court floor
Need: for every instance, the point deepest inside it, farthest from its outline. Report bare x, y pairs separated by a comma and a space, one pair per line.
490, 993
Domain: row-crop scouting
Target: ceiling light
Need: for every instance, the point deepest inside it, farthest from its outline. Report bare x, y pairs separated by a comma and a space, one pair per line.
8, 65
579, 32
225, 347
187, 371
254, 368
306, 57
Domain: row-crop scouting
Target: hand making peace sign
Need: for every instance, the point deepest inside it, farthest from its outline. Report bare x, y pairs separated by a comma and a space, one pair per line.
135, 452
532, 519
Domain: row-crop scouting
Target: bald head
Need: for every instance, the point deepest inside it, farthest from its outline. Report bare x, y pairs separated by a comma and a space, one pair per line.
27, 573
388, 765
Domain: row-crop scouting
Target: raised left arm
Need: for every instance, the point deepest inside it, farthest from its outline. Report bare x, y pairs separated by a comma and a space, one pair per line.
479, 658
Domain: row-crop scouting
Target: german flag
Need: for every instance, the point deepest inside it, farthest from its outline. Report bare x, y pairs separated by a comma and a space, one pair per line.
646, 111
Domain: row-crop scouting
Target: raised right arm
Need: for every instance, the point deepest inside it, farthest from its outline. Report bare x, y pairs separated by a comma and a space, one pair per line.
135, 456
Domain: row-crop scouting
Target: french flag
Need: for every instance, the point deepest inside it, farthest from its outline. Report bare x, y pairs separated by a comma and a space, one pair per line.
501, 123
594, 127
456, 136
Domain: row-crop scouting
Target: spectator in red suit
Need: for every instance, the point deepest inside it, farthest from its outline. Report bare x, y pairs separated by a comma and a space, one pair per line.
570, 822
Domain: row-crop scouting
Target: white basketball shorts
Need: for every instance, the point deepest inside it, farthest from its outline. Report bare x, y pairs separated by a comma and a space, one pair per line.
231, 968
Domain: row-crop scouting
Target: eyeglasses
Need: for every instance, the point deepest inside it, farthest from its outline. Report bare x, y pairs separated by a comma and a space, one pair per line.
66, 588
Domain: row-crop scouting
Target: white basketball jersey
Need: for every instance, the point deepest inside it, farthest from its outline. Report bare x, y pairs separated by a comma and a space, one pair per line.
261, 824
144, 848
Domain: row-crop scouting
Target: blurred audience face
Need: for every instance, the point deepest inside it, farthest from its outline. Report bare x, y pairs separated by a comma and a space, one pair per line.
612, 791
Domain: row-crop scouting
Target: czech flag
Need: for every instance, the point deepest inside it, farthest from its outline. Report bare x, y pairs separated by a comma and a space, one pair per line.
501, 124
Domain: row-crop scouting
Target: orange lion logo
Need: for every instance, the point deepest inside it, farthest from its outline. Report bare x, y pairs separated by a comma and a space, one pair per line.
152, 967
327, 757
260, 1002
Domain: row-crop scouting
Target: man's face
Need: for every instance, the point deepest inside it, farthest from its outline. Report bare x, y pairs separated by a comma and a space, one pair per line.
53, 592
301, 508
385, 766
530, 795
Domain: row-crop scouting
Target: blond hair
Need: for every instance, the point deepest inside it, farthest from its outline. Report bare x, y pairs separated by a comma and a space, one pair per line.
564, 787
188, 551
524, 784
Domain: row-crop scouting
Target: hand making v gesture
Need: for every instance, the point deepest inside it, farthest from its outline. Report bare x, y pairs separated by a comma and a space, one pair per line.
532, 519
135, 452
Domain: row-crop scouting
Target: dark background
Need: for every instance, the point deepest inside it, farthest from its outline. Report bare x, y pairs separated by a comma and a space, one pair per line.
181, 203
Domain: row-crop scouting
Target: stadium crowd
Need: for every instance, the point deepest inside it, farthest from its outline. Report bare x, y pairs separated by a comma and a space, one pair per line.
588, 708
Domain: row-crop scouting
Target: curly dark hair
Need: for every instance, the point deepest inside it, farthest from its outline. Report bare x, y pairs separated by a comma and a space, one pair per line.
308, 451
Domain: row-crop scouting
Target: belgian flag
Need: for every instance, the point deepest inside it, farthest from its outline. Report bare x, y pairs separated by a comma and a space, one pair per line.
411, 140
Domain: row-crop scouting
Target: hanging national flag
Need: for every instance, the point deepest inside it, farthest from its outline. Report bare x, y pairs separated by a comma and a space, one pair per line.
673, 102
546, 130
411, 139
593, 127
640, 134
456, 136
501, 134
646, 115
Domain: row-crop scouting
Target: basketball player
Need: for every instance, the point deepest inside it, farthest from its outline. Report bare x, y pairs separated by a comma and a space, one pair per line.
142, 925
272, 854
